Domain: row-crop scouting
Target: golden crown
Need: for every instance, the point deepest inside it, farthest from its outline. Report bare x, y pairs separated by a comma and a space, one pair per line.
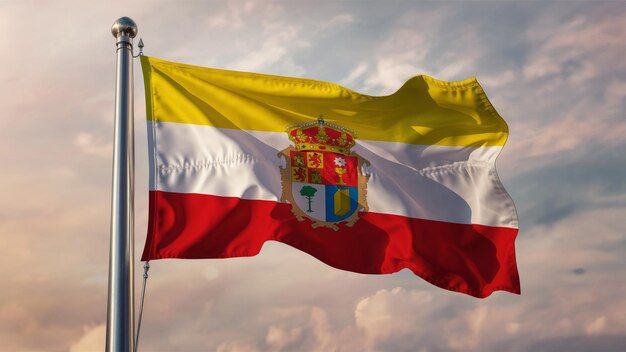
322, 136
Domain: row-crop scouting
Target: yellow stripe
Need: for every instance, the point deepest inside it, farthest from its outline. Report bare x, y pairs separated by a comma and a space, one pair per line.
424, 111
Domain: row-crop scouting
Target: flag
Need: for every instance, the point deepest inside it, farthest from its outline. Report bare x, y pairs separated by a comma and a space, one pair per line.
369, 184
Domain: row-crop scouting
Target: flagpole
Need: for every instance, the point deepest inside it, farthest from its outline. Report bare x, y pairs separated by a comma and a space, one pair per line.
121, 302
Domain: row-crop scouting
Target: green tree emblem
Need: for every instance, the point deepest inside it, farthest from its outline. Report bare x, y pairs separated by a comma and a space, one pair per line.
309, 193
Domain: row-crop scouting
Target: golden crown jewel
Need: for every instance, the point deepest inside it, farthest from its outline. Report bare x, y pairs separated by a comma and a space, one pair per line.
322, 136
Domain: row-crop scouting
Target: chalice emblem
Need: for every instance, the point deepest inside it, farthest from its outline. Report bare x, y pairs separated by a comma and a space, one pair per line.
340, 169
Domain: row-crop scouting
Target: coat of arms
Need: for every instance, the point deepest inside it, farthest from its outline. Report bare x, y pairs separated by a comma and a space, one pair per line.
323, 180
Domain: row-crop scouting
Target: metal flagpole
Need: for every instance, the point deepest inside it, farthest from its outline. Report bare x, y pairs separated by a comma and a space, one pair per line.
121, 301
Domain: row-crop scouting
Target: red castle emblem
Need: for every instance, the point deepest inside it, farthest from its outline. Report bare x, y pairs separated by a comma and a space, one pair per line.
323, 179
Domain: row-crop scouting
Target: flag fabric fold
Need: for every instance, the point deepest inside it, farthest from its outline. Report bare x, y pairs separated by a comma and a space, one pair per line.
367, 184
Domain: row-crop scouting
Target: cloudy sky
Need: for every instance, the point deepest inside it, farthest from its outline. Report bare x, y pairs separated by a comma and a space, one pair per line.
556, 71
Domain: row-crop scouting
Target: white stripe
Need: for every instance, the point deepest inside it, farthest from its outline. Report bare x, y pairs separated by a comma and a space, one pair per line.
452, 184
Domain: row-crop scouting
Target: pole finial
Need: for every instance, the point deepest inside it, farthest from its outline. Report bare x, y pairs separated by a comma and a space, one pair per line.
124, 26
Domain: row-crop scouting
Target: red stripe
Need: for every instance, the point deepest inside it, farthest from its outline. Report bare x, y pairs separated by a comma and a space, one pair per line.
472, 259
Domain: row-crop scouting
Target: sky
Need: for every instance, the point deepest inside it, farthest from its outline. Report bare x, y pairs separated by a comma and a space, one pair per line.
556, 72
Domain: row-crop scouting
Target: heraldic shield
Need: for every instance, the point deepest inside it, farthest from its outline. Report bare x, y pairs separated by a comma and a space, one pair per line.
323, 179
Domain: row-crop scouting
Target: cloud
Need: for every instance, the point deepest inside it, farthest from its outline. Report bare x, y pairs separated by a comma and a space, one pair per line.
584, 180
305, 329
392, 72
93, 340
566, 99
355, 74
231, 17
579, 343
236, 346
578, 45
337, 20
464, 331
596, 326
90, 144
278, 338
501, 78
390, 314
397, 59
274, 50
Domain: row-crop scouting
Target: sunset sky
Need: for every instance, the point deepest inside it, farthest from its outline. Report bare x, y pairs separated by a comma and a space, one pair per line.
556, 72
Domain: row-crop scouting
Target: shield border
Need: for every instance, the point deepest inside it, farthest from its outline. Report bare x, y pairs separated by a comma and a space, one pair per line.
287, 194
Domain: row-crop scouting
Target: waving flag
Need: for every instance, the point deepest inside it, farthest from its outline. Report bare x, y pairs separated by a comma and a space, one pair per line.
363, 183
